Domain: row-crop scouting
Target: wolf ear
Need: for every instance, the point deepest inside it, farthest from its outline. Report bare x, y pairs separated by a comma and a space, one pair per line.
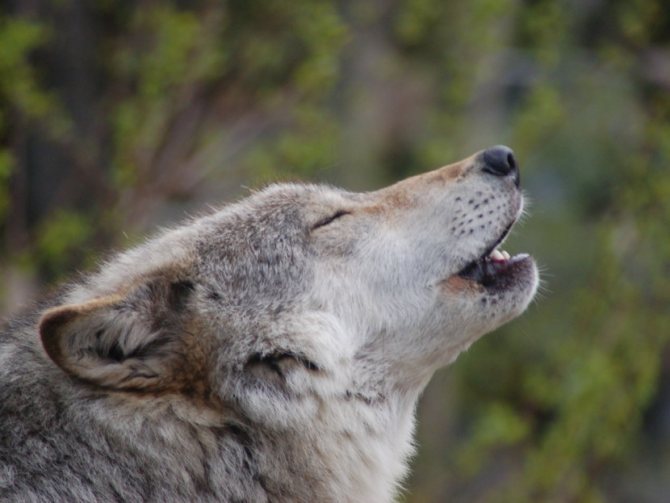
128, 342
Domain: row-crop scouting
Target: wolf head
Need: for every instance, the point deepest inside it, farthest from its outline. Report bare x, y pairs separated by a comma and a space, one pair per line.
303, 292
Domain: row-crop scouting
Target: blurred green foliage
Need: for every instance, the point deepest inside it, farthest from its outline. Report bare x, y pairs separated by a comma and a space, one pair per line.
114, 116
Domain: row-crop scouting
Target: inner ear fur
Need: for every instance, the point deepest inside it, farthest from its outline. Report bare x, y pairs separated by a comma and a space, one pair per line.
140, 341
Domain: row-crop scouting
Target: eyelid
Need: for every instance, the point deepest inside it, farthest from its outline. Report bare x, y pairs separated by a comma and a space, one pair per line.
329, 219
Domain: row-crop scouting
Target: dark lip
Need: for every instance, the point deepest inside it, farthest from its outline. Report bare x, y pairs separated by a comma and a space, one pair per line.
493, 274
487, 251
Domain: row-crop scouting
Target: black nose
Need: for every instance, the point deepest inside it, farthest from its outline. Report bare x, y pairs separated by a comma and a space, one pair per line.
500, 161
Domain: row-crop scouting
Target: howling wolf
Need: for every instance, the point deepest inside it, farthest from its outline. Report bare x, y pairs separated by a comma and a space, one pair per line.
273, 350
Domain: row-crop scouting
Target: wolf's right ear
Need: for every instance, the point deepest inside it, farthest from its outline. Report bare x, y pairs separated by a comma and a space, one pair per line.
134, 342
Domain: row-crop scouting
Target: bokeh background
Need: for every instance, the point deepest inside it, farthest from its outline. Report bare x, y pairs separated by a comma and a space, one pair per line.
119, 116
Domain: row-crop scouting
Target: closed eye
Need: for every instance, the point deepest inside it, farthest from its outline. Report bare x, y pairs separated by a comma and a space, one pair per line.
331, 218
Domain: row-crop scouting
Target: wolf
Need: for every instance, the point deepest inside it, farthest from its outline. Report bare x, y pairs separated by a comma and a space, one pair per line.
272, 350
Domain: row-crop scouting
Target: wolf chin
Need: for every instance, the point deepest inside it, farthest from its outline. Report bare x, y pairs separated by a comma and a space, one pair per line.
273, 350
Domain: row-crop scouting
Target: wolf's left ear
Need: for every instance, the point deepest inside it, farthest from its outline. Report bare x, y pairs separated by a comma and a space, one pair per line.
131, 342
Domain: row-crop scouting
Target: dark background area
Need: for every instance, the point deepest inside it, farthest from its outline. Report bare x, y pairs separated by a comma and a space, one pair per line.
117, 117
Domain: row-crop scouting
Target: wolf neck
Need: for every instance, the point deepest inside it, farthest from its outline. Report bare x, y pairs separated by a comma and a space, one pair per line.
367, 435
363, 447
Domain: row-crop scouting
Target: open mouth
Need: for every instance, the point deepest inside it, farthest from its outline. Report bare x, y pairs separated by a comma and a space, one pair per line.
493, 265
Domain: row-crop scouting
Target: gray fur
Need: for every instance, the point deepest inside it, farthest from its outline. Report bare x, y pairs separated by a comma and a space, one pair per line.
271, 351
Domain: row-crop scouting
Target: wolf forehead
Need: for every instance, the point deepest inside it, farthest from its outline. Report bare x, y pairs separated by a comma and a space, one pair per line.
264, 235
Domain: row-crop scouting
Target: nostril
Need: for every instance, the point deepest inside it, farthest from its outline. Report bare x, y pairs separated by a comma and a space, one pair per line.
511, 162
500, 161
